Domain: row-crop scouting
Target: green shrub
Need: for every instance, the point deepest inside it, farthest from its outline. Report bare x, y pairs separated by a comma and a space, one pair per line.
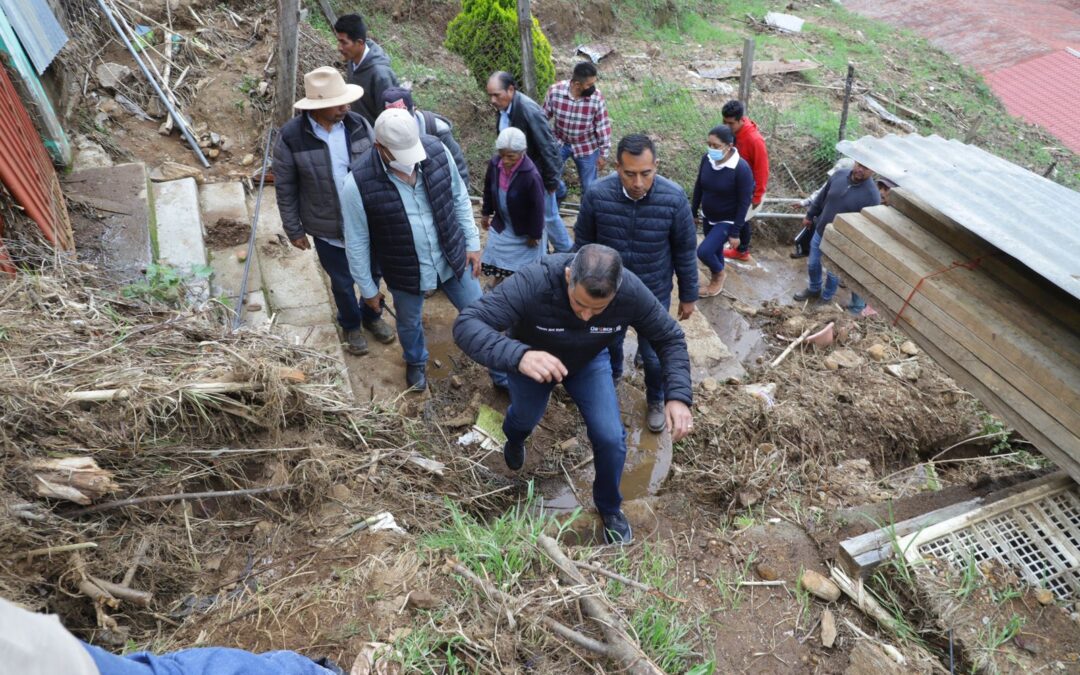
485, 34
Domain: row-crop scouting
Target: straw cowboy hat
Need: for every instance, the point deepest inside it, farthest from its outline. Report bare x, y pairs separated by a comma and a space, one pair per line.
325, 88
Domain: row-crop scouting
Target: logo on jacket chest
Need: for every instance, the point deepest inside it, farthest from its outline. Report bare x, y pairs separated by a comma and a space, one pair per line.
604, 330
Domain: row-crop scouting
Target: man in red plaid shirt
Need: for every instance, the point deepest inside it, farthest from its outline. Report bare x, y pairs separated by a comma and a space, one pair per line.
582, 125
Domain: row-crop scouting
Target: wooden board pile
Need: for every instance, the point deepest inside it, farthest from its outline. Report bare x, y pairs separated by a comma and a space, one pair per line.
1001, 331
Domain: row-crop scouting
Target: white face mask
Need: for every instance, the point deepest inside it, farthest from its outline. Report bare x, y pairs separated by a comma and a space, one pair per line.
406, 169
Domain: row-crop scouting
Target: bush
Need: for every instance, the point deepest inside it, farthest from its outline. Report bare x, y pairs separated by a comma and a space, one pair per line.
485, 34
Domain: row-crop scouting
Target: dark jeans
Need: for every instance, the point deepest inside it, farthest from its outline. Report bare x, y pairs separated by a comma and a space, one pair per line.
711, 249
744, 237
650, 362
350, 312
594, 393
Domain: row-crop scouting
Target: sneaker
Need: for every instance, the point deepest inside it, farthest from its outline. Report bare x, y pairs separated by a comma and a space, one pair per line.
355, 342
736, 254
514, 454
381, 330
656, 417
617, 529
416, 377
806, 294
799, 254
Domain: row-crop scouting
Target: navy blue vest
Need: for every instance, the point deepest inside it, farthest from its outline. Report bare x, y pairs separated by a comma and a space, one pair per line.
391, 234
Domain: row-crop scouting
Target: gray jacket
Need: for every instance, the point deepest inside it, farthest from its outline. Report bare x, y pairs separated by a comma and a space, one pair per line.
307, 196
375, 75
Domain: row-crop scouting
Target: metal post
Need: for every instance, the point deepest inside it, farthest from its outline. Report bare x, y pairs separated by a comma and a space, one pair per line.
847, 99
747, 71
288, 26
528, 60
242, 298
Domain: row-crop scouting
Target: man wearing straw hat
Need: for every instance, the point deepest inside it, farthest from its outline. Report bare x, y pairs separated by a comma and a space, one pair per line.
405, 198
311, 159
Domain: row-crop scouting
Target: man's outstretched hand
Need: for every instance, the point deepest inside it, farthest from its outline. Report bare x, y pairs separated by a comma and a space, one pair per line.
679, 419
543, 367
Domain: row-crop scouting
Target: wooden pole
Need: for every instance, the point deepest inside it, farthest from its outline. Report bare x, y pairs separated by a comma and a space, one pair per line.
847, 99
747, 71
288, 25
528, 60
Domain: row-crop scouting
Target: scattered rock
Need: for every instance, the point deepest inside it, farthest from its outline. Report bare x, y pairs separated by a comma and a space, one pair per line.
908, 370
828, 629
109, 106
766, 572
819, 586
831, 363
174, 171
247, 160
110, 75
437, 363
89, 155
340, 492
213, 153
1045, 596
710, 384
846, 358
569, 444
455, 382
241, 254
876, 352
254, 307
909, 348
422, 600
748, 498
1029, 643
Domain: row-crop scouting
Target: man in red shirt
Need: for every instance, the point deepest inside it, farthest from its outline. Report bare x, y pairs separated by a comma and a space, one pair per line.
751, 147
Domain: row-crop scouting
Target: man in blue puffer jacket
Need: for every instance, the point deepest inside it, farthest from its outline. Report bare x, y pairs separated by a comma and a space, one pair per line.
647, 219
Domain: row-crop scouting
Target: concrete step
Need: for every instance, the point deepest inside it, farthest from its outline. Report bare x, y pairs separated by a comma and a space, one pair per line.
119, 239
227, 223
179, 229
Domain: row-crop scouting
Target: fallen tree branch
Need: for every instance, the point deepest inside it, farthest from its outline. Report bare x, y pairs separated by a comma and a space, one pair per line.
136, 560
622, 650
108, 506
63, 548
554, 626
784, 354
122, 592
627, 580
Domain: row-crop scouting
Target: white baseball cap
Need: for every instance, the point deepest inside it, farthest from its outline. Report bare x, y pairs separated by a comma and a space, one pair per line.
396, 130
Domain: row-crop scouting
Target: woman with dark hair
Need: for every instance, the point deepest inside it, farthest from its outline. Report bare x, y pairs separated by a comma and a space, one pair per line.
722, 191
513, 208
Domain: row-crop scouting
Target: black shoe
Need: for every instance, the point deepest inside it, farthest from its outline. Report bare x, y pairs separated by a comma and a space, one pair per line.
799, 254
355, 342
617, 529
806, 294
639, 361
381, 330
514, 454
416, 377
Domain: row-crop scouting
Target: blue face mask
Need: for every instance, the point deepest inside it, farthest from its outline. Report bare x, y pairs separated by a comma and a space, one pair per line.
716, 155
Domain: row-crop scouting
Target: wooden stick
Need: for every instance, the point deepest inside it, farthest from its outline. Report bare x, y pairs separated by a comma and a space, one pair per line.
123, 592
784, 354
108, 506
554, 626
136, 560
627, 580
622, 650
64, 548
854, 589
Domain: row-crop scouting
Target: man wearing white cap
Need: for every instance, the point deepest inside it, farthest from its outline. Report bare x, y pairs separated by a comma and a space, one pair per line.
406, 199
311, 160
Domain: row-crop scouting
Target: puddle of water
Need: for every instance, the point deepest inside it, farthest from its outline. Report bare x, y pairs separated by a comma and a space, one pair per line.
442, 352
648, 461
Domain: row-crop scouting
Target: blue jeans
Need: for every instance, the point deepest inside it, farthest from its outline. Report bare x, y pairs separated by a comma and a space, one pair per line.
586, 168
462, 293
554, 226
650, 362
594, 393
711, 249
350, 312
813, 268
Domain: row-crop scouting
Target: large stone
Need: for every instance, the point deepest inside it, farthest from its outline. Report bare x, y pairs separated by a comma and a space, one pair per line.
222, 200
705, 347
111, 75
89, 155
167, 171
179, 231
123, 245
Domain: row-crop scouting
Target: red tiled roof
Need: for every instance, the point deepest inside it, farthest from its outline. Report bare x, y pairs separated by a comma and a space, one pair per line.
1044, 91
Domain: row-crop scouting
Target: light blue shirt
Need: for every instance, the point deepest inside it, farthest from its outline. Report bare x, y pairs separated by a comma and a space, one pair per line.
434, 267
337, 140
504, 117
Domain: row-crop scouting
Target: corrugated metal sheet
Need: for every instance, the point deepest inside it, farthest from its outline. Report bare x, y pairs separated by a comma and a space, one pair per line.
27, 172
1029, 217
39, 32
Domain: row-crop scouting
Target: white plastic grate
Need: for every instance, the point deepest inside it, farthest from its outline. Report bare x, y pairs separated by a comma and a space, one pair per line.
1036, 533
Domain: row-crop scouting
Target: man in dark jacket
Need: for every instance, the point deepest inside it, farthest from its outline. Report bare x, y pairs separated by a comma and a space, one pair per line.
405, 198
366, 65
311, 158
518, 110
848, 191
430, 123
647, 219
559, 316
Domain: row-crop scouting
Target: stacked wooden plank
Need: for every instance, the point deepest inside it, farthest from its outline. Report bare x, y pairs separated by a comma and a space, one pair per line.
1001, 331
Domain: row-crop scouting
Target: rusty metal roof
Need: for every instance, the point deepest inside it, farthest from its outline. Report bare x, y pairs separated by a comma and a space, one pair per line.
39, 32
1029, 217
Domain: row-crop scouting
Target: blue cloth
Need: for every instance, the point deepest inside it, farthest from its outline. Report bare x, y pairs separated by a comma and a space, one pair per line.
711, 249
504, 117
593, 391
586, 168
507, 250
336, 263
650, 363
554, 225
205, 661
813, 264
461, 292
434, 268
338, 143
